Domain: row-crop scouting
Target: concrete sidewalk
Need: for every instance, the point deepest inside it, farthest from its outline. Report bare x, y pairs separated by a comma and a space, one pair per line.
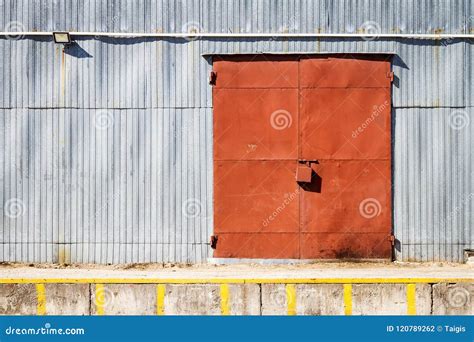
323, 271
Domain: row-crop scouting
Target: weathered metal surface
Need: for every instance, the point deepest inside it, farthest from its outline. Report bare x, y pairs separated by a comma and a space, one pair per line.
346, 204
105, 186
239, 15
132, 74
433, 184
246, 194
264, 71
102, 70
345, 126
114, 73
346, 212
345, 72
240, 116
345, 123
345, 246
261, 246
304, 173
254, 161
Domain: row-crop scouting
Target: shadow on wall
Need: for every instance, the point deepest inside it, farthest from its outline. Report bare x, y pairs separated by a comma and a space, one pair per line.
75, 50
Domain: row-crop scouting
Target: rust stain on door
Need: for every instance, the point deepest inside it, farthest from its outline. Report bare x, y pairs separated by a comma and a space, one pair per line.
302, 157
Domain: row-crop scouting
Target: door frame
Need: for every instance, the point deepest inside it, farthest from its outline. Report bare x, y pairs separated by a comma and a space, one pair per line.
389, 57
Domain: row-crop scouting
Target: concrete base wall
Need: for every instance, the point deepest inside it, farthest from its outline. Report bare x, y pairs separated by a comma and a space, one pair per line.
18, 299
67, 299
389, 299
125, 299
236, 299
453, 299
192, 300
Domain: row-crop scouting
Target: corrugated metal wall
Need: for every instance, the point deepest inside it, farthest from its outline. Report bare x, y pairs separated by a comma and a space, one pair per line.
106, 149
106, 185
434, 187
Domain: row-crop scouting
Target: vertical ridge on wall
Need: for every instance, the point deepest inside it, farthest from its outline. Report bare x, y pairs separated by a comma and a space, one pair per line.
95, 186
114, 72
116, 194
241, 15
434, 195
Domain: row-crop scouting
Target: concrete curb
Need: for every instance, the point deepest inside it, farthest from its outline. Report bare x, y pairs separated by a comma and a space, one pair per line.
246, 297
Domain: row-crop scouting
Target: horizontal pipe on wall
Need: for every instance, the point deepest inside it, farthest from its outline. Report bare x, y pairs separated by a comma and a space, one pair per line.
251, 35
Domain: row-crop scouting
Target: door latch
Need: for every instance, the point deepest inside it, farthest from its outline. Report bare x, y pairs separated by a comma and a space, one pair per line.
392, 240
304, 172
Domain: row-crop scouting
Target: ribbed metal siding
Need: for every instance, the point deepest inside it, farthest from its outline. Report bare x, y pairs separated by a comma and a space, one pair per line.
106, 186
469, 71
101, 74
114, 73
434, 187
238, 15
152, 87
429, 74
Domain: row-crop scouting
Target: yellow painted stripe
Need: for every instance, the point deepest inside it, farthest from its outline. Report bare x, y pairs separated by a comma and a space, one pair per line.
41, 299
348, 299
233, 280
225, 309
411, 299
291, 299
99, 299
160, 299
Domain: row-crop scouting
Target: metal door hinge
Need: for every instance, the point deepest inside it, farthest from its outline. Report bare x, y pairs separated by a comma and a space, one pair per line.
392, 240
212, 78
213, 241
390, 76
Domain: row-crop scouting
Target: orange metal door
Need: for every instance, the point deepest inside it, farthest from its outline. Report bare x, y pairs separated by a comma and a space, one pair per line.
302, 157
255, 151
345, 128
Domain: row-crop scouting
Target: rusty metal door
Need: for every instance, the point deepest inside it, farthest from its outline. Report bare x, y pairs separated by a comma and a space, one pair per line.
345, 129
254, 162
302, 157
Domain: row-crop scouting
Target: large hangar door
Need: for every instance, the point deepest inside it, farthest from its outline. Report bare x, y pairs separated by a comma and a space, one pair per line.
302, 157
